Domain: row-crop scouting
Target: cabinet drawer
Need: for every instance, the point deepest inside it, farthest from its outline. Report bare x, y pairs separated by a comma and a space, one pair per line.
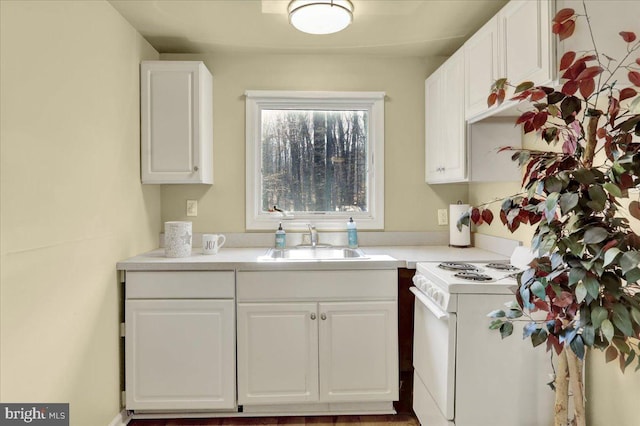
180, 285
316, 285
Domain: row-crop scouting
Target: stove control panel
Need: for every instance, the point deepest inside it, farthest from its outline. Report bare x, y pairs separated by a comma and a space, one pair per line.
431, 290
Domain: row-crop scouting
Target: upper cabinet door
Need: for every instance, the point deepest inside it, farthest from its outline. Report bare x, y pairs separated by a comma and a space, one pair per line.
481, 67
453, 123
433, 127
176, 122
525, 41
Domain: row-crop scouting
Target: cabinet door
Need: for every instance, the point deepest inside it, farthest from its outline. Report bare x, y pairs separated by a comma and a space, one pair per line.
525, 33
433, 127
481, 67
180, 354
176, 129
277, 353
453, 121
358, 351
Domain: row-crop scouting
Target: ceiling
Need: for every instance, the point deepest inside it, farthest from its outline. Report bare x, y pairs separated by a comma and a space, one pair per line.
381, 27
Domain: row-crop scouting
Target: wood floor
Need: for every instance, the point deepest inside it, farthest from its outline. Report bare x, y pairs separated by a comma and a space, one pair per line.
397, 420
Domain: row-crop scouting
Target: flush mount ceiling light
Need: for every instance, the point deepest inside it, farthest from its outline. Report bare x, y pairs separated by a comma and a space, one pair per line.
320, 16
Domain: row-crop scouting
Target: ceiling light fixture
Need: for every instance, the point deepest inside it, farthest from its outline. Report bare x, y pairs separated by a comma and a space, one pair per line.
320, 16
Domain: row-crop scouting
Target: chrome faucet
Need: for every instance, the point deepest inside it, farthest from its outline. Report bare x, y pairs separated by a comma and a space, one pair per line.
313, 235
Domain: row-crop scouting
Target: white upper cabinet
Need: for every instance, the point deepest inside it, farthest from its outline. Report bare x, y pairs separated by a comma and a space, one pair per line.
515, 44
445, 141
525, 41
176, 122
481, 67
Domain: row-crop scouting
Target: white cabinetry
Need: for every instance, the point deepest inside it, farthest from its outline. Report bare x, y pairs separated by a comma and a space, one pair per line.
180, 341
481, 67
445, 141
515, 44
317, 337
176, 122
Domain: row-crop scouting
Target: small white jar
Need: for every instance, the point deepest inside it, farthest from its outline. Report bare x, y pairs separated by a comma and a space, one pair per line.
177, 239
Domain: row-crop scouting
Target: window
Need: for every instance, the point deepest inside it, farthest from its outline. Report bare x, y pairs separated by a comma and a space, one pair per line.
317, 156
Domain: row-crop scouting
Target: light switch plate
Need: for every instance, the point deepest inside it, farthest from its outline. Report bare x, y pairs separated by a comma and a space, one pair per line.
192, 207
442, 217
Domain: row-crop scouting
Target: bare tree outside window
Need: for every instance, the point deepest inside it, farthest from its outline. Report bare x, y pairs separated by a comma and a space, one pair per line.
314, 161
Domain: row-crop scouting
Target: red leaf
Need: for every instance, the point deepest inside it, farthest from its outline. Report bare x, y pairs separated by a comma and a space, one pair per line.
529, 127
626, 93
541, 304
570, 87
634, 77
540, 119
590, 72
628, 36
493, 97
501, 94
563, 15
638, 61
614, 109
587, 87
565, 299
567, 60
610, 244
475, 215
487, 216
601, 133
527, 116
566, 30
537, 95
626, 181
555, 28
503, 217
557, 346
611, 354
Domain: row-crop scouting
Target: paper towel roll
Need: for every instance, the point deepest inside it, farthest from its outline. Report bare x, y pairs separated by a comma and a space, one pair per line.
457, 238
177, 239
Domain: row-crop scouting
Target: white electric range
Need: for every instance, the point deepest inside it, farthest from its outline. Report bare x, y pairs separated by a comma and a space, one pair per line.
464, 373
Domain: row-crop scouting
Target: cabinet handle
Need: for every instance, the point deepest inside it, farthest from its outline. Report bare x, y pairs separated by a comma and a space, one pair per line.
313, 316
323, 316
195, 168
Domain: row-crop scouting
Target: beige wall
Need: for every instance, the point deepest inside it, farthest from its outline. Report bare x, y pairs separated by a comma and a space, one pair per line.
410, 204
71, 200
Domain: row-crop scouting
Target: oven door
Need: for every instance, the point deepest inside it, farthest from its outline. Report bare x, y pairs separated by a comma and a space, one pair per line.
434, 355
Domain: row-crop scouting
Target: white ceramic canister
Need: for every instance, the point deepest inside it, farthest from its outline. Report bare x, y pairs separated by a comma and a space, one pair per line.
177, 239
211, 243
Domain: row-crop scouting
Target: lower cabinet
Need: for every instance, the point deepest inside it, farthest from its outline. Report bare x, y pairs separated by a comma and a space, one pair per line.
179, 342
315, 351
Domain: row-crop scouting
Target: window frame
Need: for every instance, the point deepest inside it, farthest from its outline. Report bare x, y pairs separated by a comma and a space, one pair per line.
258, 100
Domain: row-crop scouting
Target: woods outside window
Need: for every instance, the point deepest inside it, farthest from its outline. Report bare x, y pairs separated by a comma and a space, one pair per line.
318, 156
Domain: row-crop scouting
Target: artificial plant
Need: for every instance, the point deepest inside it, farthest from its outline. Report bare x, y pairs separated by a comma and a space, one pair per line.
581, 291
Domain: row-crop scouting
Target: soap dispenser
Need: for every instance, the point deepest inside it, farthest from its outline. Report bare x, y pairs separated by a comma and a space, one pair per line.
281, 237
352, 234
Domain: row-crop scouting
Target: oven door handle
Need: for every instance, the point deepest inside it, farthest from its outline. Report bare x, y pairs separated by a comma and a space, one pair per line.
435, 309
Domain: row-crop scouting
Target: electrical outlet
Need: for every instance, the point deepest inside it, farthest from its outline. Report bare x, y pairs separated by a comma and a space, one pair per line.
192, 207
442, 217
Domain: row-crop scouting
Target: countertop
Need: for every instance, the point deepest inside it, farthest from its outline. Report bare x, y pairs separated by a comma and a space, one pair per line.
378, 257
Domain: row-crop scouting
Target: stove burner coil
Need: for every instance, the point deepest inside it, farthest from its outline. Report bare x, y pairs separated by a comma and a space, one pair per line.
457, 266
473, 276
502, 267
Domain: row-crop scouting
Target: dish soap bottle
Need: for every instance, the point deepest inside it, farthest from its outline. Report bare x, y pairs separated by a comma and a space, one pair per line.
281, 237
352, 234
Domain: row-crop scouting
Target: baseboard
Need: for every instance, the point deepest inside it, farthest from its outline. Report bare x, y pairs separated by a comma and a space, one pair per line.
121, 419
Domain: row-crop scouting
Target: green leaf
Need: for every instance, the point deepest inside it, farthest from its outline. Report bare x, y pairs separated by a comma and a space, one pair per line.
523, 86
550, 206
568, 201
610, 255
538, 337
613, 189
514, 313
584, 176
495, 324
498, 313
577, 345
630, 359
529, 329
592, 285
506, 329
607, 329
588, 335
598, 315
595, 235
633, 275
598, 198
622, 319
581, 292
629, 260
635, 314
538, 289
576, 275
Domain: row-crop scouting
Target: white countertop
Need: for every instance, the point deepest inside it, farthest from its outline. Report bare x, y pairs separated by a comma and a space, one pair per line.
378, 257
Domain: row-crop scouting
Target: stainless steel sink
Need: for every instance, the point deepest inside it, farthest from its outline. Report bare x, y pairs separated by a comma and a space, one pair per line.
314, 253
